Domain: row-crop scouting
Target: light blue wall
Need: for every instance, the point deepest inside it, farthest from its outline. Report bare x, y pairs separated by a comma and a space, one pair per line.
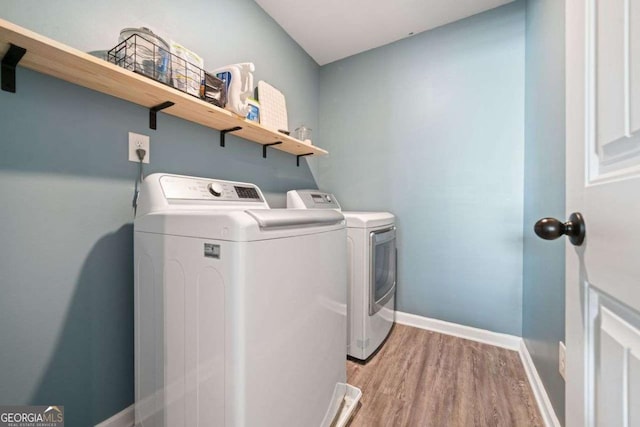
544, 178
66, 312
431, 128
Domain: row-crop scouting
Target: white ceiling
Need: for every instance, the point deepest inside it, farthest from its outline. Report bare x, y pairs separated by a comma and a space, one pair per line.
334, 29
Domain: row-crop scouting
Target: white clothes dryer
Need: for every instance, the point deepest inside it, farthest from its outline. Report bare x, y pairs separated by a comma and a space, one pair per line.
240, 310
372, 270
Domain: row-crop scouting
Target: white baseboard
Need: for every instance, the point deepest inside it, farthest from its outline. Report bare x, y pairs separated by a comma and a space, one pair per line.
544, 404
497, 339
510, 342
124, 418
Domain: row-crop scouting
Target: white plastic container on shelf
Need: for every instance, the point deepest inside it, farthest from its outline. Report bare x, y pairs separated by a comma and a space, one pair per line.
186, 69
238, 79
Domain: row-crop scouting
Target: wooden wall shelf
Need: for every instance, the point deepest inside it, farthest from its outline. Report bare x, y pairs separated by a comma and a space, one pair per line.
58, 60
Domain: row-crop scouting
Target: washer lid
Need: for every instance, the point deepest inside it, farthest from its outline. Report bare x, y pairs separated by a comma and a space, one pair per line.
238, 225
368, 219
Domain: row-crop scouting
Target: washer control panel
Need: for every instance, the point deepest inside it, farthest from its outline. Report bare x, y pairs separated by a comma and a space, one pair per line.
311, 199
184, 188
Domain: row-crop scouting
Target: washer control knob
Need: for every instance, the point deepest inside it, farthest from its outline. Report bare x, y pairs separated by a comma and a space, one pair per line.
215, 189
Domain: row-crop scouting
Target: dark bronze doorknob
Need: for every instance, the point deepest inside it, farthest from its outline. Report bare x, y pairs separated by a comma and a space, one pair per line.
551, 228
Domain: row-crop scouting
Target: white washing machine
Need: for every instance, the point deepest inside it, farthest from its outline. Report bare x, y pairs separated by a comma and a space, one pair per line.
372, 254
240, 310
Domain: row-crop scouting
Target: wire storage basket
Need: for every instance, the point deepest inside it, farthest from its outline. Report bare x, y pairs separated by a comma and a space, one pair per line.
142, 56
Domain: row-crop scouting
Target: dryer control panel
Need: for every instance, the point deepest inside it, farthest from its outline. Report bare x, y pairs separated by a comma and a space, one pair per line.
185, 188
311, 199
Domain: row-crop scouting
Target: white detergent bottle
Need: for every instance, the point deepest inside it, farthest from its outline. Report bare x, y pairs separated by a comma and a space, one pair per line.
238, 79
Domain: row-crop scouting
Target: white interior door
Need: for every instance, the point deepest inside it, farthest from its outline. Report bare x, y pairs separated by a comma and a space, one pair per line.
603, 183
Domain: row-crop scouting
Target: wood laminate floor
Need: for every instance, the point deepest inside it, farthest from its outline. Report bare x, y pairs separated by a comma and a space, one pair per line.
423, 378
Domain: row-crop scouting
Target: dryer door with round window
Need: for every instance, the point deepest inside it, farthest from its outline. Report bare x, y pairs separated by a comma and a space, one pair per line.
382, 274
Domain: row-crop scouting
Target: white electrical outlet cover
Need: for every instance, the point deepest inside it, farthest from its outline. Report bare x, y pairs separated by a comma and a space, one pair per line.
136, 141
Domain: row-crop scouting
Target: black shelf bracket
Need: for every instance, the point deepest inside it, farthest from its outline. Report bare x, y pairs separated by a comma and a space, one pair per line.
153, 123
301, 155
264, 148
9, 62
224, 132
